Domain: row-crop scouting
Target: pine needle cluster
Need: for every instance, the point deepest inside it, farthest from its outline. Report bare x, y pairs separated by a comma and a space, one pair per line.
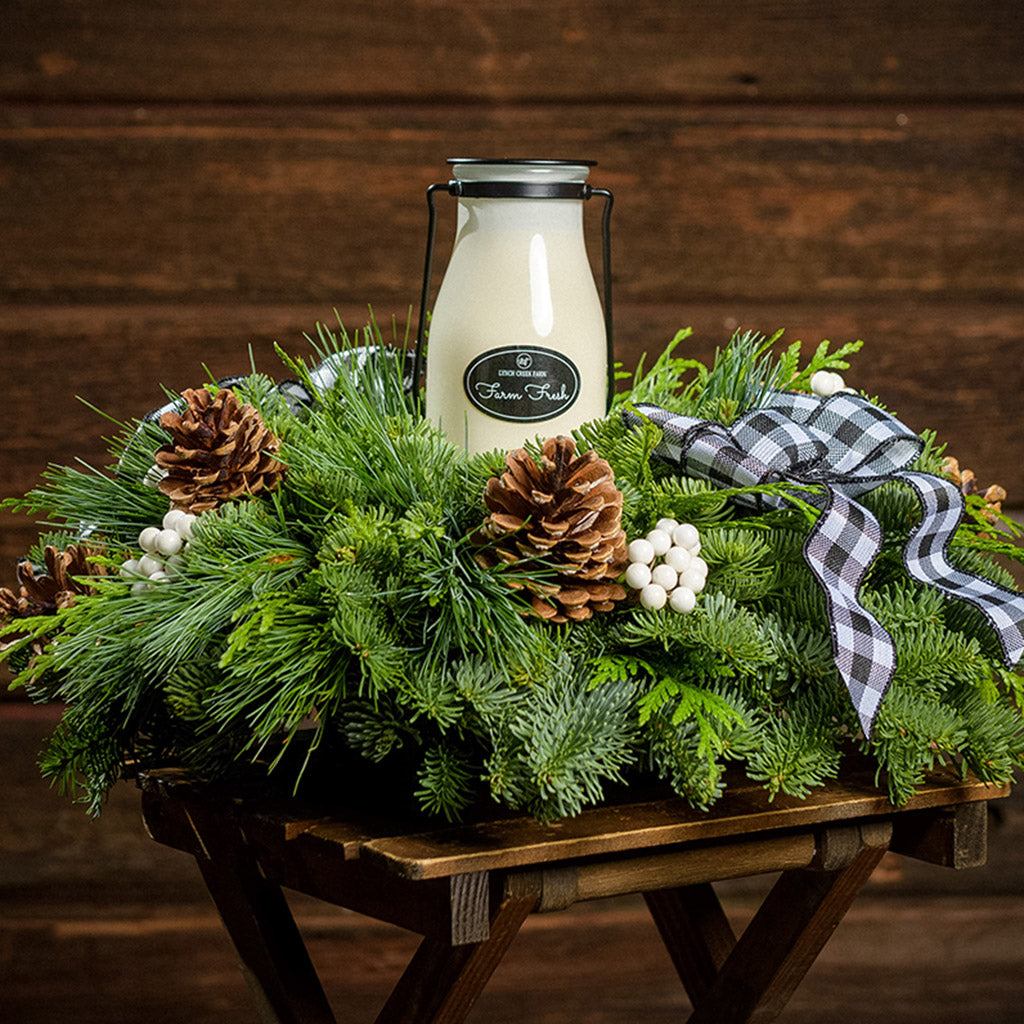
344, 620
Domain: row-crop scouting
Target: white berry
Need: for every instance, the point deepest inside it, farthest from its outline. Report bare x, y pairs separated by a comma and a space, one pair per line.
667, 525
660, 541
685, 535
129, 569
147, 539
653, 596
638, 575
149, 565
184, 525
159, 577
168, 542
700, 565
141, 586
678, 558
665, 576
683, 600
641, 551
693, 579
171, 519
825, 383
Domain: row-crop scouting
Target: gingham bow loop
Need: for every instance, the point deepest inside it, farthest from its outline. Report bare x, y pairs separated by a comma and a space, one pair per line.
850, 447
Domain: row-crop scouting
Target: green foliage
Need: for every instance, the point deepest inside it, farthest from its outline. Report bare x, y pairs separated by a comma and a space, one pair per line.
797, 747
556, 747
913, 733
346, 615
446, 782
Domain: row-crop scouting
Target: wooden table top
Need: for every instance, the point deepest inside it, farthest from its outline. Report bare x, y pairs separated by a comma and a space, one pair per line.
416, 849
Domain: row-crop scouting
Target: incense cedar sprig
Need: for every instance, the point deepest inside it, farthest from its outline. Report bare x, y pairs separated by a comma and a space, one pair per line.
219, 450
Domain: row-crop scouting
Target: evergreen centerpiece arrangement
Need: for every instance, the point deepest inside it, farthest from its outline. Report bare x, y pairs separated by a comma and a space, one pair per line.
313, 567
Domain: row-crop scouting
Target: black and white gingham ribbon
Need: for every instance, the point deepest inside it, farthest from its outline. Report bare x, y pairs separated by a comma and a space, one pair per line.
849, 446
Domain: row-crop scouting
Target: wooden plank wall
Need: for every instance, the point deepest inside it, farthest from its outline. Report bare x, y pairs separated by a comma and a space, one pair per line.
182, 180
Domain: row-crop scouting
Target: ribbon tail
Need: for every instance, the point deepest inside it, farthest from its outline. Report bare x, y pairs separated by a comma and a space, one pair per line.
839, 550
926, 560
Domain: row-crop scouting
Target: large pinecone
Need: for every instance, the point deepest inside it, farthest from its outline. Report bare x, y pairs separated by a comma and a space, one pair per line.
219, 450
565, 513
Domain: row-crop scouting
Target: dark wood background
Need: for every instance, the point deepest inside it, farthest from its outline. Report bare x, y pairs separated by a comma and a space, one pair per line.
181, 181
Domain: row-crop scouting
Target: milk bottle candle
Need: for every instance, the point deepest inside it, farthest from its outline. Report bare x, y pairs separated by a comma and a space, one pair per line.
517, 340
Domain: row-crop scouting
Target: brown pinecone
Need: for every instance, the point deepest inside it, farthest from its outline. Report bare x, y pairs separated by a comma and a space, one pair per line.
994, 495
54, 589
219, 450
564, 513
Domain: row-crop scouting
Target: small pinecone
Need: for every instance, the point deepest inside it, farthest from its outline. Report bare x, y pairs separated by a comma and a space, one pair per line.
57, 588
219, 450
53, 589
565, 512
994, 495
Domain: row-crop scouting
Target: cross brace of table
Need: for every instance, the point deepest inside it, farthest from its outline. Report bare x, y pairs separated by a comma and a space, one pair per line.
468, 890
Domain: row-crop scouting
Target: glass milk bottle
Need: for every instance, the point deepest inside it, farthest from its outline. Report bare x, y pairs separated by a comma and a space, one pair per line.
517, 340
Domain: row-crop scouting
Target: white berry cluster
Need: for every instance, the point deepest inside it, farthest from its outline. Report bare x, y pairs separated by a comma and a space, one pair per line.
680, 574
825, 383
162, 551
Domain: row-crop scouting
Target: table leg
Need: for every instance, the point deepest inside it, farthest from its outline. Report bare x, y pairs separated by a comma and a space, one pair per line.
779, 945
695, 931
273, 956
443, 981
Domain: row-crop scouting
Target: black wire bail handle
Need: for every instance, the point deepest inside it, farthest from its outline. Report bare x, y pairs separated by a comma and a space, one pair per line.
519, 190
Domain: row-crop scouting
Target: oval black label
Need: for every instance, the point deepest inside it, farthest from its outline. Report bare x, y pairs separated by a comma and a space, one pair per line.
523, 383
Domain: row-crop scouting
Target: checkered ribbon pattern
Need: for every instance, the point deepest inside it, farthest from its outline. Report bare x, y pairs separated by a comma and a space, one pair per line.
848, 446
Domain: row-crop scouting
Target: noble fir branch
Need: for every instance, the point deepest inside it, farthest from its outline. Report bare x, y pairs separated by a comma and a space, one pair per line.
994, 742
560, 743
913, 733
446, 781
796, 747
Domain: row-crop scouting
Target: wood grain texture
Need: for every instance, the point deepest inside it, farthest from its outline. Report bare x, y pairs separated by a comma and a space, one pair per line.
745, 810
731, 203
495, 52
781, 943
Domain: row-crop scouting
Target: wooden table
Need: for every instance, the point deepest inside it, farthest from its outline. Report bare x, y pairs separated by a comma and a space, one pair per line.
469, 889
